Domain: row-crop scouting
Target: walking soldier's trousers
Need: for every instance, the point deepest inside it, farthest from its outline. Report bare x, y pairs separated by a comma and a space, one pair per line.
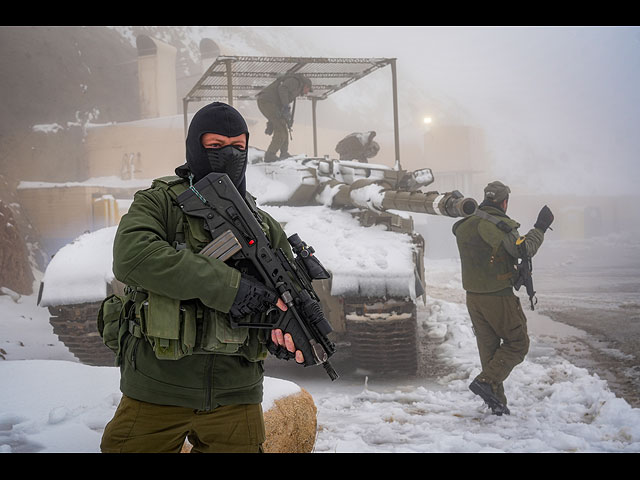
500, 327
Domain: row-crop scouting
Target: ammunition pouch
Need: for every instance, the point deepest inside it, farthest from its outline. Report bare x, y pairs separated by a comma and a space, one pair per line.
167, 325
111, 326
176, 329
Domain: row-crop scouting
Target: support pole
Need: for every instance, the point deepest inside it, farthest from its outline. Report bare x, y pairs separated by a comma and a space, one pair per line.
229, 83
185, 107
396, 133
315, 133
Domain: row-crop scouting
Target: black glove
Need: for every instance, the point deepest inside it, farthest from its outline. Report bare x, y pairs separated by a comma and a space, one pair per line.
545, 218
252, 297
286, 115
279, 351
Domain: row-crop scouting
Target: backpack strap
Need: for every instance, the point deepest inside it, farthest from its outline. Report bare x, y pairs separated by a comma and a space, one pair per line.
491, 239
496, 221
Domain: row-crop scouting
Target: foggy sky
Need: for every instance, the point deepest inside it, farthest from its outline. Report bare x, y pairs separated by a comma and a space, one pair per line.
560, 105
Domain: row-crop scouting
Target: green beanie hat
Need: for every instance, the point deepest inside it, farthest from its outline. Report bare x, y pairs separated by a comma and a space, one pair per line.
496, 192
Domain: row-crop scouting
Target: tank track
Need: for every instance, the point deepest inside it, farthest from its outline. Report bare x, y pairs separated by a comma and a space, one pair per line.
75, 326
384, 341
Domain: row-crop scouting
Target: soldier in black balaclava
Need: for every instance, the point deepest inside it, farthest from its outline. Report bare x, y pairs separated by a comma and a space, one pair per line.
183, 369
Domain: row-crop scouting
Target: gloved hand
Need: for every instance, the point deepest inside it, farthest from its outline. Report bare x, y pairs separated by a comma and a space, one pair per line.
282, 346
252, 297
286, 114
545, 218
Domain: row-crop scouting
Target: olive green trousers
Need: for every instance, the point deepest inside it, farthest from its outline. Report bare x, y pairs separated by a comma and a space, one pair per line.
141, 427
500, 327
280, 140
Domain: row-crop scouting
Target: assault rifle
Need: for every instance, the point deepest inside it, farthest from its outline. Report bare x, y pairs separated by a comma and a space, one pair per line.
237, 235
524, 271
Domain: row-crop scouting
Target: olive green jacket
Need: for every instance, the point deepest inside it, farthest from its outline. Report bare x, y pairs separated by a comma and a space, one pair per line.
144, 256
282, 92
488, 254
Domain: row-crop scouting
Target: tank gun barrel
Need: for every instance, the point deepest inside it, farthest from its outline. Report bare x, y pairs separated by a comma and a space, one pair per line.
379, 197
449, 204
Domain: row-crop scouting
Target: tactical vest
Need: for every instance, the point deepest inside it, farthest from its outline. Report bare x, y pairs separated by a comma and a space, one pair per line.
486, 265
177, 328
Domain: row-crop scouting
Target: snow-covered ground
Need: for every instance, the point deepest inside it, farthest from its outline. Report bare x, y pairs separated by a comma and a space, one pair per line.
51, 403
555, 406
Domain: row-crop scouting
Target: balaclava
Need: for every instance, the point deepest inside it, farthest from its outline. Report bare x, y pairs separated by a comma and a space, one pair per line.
224, 120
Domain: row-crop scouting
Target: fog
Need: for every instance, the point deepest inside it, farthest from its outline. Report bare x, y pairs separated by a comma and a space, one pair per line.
555, 103
560, 105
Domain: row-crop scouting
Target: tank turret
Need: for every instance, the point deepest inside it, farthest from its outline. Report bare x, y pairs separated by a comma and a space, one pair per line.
352, 184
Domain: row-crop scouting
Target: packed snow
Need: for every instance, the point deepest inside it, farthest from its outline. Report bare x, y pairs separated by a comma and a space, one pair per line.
555, 406
109, 181
49, 402
80, 271
52, 403
347, 250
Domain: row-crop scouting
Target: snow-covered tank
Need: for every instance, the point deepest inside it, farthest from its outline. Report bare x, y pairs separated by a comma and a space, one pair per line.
354, 214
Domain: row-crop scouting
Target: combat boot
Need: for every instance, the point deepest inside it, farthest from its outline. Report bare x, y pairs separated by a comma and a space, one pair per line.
484, 390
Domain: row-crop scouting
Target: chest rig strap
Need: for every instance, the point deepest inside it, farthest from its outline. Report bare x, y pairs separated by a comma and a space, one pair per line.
496, 221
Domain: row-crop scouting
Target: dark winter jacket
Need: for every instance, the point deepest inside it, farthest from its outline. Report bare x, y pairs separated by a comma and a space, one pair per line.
145, 257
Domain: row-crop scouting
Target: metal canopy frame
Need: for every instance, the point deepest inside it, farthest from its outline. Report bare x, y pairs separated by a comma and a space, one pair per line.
232, 78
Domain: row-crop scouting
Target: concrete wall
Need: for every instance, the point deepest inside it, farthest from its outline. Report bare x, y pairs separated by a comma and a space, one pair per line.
157, 77
62, 213
146, 149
